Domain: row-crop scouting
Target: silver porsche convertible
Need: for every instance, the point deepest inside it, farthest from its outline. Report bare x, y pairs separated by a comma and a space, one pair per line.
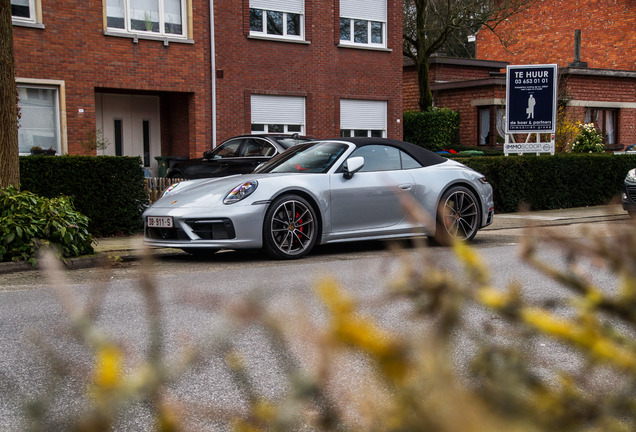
322, 192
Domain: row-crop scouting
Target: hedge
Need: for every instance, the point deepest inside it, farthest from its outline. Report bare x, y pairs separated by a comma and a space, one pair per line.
552, 182
109, 190
434, 129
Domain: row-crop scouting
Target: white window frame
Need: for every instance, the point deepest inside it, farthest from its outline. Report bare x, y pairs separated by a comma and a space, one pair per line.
60, 119
358, 115
31, 17
369, 133
265, 128
296, 7
270, 110
185, 22
35, 16
369, 11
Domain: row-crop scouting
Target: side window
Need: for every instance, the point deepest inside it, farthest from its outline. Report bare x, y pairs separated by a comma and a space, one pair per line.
228, 149
408, 162
257, 147
379, 158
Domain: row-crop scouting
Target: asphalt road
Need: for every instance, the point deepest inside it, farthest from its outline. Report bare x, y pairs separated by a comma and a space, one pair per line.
200, 300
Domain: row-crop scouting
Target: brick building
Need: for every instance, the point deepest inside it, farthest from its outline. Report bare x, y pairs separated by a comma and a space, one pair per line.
544, 34
176, 77
143, 81
597, 78
472, 87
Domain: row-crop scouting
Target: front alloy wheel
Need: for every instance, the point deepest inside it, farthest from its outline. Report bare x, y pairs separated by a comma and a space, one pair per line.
458, 216
290, 227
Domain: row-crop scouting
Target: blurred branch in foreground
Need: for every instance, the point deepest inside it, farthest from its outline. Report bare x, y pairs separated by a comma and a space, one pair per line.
412, 380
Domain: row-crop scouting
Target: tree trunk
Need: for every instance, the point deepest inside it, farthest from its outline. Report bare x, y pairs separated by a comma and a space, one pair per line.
9, 150
426, 97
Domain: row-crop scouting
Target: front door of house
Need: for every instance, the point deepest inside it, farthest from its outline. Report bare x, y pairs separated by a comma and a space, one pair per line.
130, 123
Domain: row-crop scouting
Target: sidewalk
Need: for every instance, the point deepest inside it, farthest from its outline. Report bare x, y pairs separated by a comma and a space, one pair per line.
558, 217
113, 246
126, 248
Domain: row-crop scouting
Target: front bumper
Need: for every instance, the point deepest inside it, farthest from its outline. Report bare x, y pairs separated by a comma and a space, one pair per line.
229, 227
628, 196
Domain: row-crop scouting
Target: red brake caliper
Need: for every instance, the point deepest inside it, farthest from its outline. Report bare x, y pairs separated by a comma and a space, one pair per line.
300, 222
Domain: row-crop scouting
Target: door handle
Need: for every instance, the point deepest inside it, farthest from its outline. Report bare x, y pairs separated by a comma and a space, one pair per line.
405, 186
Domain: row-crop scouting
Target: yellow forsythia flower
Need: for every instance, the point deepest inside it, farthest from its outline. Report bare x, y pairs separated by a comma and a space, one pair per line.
583, 335
472, 260
362, 333
492, 298
108, 368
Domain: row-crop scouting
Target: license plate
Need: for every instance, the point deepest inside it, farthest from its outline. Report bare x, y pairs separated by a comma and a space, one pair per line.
159, 222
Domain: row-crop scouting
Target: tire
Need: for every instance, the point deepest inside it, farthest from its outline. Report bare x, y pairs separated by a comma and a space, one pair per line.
458, 216
290, 228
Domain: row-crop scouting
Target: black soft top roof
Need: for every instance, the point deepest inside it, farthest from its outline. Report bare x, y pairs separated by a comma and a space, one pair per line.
424, 156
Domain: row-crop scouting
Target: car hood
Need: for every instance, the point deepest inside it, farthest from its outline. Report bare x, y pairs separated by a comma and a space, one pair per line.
208, 191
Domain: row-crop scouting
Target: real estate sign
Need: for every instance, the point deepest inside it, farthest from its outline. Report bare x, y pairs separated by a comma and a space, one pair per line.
531, 99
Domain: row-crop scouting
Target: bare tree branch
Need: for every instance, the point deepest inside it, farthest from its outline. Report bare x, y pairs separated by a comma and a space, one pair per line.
434, 25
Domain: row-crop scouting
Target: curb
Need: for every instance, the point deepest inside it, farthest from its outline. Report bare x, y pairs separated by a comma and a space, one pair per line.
504, 221
525, 222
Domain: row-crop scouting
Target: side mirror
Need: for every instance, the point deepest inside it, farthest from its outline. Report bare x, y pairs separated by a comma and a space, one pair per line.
207, 154
353, 165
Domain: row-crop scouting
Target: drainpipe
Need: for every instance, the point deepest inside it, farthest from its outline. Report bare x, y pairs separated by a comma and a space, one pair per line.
213, 74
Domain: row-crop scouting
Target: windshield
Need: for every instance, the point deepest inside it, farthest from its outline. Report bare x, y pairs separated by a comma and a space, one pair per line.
291, 141
315, 157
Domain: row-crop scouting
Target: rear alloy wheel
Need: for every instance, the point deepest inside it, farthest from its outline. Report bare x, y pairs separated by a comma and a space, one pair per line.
458, 216
290, 228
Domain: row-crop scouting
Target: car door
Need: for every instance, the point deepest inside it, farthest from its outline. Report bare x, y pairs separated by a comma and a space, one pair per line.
217, 164
370, 199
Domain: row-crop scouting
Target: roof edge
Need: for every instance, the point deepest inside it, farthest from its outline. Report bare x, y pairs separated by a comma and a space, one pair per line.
612, 73
460, 62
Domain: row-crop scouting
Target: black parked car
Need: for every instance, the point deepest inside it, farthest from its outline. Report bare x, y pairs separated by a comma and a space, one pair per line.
238, 155
629, 193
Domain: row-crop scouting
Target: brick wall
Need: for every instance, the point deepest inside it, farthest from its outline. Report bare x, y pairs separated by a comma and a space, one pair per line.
410, 89
441, 70
319, 70
611, 89
460, 100
73, 48
545, 34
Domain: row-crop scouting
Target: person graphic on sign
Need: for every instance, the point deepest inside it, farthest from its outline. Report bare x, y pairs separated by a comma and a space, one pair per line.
531, 103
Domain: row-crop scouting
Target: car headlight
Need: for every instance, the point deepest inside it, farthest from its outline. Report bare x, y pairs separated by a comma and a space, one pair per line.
241, 191
631, 175
170, 188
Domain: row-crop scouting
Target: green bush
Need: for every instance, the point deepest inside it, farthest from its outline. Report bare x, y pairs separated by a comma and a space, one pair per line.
551, 182
589, 140
434, 129
28, 221
109, 190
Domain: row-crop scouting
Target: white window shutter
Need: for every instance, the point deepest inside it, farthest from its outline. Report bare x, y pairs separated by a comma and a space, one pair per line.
372, 10
289, 110
291, 6
362, 114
